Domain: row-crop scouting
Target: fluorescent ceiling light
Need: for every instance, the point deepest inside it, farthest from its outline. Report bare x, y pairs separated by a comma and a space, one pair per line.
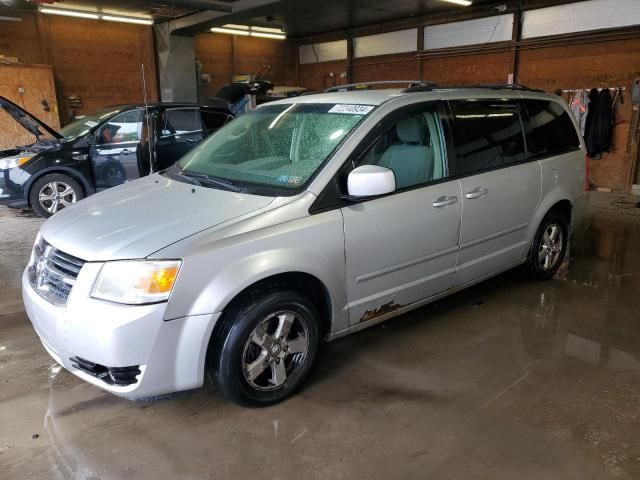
96, 16
138, 21
464, 3
269, 35
230, 31
246, 30
268, 30
236, 27
11, 19
69, 13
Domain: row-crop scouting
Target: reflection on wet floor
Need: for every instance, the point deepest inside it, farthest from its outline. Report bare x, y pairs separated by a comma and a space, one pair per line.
509, 379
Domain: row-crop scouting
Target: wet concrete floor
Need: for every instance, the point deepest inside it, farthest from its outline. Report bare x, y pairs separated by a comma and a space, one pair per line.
509, 379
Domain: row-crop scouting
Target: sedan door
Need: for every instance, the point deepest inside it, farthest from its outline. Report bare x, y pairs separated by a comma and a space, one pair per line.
181, 130
402, 248
500, 189
119, 145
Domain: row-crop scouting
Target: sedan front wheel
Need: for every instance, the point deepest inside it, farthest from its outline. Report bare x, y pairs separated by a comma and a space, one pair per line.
53, 192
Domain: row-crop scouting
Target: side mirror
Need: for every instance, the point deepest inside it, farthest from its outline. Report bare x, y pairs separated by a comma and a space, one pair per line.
370, 181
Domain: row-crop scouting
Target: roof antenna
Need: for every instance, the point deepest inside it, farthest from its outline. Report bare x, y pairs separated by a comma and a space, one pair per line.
147, 120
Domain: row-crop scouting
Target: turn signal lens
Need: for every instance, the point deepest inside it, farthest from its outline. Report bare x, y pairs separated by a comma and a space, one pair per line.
136, 282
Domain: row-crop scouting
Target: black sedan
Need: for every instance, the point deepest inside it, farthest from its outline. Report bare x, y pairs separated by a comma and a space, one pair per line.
98, 151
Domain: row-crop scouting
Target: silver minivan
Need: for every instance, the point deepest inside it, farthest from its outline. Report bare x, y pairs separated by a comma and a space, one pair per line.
302, 221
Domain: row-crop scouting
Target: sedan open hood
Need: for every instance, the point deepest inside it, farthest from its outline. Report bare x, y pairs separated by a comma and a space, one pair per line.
29, 122
141, 217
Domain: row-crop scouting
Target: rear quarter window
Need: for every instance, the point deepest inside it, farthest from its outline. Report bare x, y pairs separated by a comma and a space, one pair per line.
549, 129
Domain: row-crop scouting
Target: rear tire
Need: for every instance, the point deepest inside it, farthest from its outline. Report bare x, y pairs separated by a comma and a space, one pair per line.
266, 347
549, 247
51, 193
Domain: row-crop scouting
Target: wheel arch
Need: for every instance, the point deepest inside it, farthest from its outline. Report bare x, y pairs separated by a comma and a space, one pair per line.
302, 282
558, 200
70, 172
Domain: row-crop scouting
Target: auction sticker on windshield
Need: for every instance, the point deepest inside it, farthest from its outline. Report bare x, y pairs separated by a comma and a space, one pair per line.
351, 109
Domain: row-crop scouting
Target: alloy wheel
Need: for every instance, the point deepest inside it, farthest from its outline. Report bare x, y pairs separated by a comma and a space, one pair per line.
551, 246
56, 195
275, 350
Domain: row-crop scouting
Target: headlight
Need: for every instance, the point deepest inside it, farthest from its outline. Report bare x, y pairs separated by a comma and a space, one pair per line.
136, 282
12, 162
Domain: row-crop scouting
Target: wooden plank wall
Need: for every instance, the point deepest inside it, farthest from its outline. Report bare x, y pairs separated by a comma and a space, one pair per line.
27, 86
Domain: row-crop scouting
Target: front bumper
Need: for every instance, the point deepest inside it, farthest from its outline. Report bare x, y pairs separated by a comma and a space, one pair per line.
170, 354
12, 183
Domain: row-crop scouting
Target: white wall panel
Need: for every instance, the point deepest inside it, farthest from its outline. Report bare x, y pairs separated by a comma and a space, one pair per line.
386, 43
580, 17
323, 52
469, 32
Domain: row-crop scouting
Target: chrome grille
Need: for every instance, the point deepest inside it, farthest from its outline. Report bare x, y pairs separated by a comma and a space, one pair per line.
52, 273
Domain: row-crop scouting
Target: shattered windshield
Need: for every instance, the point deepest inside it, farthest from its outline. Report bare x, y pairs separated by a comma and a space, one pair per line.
279, 146
83, 125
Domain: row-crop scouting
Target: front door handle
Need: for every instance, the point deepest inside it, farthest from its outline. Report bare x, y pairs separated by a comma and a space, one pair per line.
444, 201
477, 193
191, 140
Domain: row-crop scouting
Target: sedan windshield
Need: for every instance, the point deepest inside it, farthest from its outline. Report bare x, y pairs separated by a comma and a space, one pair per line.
83, 125
276, 146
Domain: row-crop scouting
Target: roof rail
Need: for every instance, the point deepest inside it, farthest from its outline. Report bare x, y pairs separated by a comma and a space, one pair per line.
491, 86
411, 83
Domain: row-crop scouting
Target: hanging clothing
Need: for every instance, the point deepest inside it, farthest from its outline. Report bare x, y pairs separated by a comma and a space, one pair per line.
598, 125
580, 108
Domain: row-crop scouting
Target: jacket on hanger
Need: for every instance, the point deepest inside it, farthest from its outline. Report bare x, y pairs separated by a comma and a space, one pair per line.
580, 108
598, 124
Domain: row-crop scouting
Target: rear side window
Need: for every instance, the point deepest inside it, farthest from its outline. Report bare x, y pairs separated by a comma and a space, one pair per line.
180, 121
548, 129
487, 134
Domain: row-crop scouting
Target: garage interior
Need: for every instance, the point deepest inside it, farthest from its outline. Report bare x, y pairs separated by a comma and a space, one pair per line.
508, 379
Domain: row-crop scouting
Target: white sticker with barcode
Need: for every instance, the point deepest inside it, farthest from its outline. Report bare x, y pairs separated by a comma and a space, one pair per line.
351, 109
90, 123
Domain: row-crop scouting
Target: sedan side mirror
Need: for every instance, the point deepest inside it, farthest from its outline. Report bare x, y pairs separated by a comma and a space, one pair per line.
370, 181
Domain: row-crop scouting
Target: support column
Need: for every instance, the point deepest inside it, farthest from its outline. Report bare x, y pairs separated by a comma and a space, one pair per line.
515, 38
176, 66
420, 48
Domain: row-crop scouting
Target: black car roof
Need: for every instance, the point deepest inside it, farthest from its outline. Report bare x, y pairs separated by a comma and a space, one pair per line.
164, 105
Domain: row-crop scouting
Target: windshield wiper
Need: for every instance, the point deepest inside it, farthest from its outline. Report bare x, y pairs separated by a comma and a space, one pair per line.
204, 178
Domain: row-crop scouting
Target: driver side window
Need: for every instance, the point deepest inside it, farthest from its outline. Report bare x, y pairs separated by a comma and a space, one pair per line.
412, 148
123, 128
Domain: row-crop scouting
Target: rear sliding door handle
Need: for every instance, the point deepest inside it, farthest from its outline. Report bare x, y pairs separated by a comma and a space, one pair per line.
444, 201
476, 193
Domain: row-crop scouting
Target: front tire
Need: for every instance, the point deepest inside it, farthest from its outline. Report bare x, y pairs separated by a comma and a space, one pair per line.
51, 193
266, 347
549, 247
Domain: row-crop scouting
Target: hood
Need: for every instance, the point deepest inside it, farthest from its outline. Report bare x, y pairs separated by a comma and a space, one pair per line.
29, 122
139, 218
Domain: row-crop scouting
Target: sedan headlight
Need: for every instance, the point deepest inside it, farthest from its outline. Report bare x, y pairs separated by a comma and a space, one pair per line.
12, 162
136, 282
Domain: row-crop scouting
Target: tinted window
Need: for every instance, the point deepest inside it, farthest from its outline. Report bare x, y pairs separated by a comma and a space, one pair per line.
213, 120
487, 134
179, 121
123, 128
549, 129
412, 148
